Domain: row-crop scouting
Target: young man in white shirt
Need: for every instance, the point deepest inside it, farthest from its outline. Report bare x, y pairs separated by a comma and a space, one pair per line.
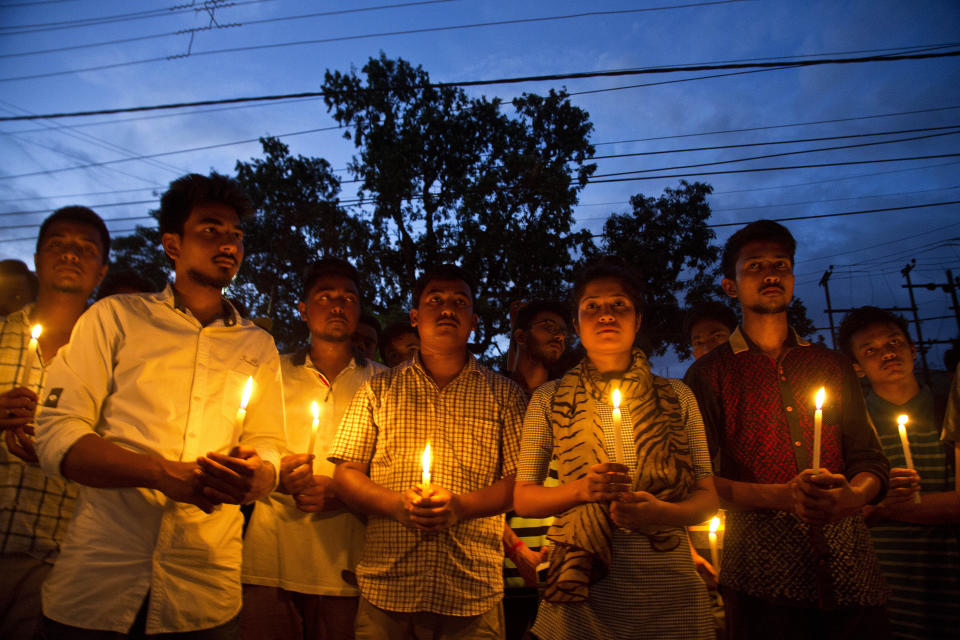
302, 544
141, 408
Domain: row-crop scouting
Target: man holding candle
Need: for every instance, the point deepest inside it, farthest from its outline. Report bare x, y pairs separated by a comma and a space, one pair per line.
72, 249
798, 561
915, 540
431, 562
141, 407
302, 545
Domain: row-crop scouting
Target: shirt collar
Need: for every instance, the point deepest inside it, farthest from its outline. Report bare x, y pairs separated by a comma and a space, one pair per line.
301, 358
228, 313
22, 315
471, 365
740, 341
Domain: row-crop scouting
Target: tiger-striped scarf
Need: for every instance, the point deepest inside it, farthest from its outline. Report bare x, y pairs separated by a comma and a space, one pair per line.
582, 535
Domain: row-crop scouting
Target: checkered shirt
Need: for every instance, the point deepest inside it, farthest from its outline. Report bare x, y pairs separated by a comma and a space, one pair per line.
473, 426
34, 507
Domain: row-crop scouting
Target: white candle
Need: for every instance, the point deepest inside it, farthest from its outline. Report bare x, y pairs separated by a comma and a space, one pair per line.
617, 429
242, 410
714, 554
315, 408
425, 465
902, 428
817, 427
31, 356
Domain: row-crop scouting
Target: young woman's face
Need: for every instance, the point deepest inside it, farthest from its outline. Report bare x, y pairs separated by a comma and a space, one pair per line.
607, 320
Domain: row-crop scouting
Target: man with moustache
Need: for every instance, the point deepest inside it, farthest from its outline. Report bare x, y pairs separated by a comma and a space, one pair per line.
798, 562
141, 408
431, 562
914, 532
73, 247
302, 545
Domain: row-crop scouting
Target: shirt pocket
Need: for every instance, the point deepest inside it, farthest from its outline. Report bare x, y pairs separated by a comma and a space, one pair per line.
473, 446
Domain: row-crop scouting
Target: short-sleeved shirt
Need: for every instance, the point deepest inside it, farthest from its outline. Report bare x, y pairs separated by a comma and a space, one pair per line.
473, 427
760, 412
920, 561
284, 547
647, 593
35, 508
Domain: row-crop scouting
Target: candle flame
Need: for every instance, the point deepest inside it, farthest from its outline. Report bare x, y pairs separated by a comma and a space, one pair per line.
616, 398
714, 524
820, 395
247, 391
36, 331
316, 410
902, 419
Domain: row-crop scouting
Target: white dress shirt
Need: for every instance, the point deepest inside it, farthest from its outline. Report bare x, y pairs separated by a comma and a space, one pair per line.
284, 547
142, 372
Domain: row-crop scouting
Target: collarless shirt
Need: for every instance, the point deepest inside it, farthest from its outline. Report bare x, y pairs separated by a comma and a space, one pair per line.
35, 508
760, 414
473, 426
284, 547
143, 373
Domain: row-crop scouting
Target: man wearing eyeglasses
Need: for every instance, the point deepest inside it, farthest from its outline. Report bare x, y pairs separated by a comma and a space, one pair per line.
540, 334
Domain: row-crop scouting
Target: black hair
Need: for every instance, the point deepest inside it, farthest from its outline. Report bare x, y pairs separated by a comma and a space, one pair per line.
81, 215
442, 272
329, 266
757, 231
194, 189
709, 310
371, 321
608, 267
860, 319
529, 311
13, 267
393, 331
118, 281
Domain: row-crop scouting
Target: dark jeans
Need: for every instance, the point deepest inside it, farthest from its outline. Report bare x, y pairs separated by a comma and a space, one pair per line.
750, 618
52, 630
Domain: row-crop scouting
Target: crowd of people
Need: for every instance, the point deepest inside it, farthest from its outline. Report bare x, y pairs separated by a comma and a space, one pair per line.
166, 473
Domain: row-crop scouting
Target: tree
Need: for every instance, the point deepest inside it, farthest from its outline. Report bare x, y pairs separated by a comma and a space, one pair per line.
451, 178
297, 219
668, 242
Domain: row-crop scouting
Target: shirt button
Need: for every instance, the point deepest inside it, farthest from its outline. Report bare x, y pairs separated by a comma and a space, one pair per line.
789, 408
796, 443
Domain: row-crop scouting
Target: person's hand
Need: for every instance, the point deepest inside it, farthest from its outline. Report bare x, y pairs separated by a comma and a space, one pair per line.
238, 478
18, 407
296, 472
429, 508
20, 442
706, 570
526, 560
604, 482
634, 509
181, 482
823, 497
904, 484
319, 495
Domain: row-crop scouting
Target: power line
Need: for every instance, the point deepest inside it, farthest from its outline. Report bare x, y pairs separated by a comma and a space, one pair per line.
776, 155
79, 195
91, 206
845, 213
523, 79
761, 169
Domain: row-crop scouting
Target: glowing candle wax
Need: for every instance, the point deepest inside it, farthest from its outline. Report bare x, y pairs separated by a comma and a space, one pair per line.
817, 427
315, 408
425, 462
714, 555
32, 355
242, 411
617, 429
902, 428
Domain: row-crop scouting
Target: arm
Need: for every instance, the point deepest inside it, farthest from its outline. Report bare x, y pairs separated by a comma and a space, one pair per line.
939, 507
602, 483
96, 462
639, 508
743, 496
827, 497
862, 452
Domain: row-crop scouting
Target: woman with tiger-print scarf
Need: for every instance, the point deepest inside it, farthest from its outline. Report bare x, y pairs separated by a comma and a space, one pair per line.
620, 564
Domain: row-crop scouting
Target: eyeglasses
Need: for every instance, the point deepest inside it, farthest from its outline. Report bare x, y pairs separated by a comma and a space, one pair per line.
551, 327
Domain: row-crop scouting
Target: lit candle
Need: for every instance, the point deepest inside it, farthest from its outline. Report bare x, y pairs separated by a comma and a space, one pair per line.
313, 428
617, 429
31, 356
242, 411
714, 555
902, 428
425, 464
817, 427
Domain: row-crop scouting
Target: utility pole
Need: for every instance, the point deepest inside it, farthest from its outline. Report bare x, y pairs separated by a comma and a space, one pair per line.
951, 288
916, 319
825, 283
